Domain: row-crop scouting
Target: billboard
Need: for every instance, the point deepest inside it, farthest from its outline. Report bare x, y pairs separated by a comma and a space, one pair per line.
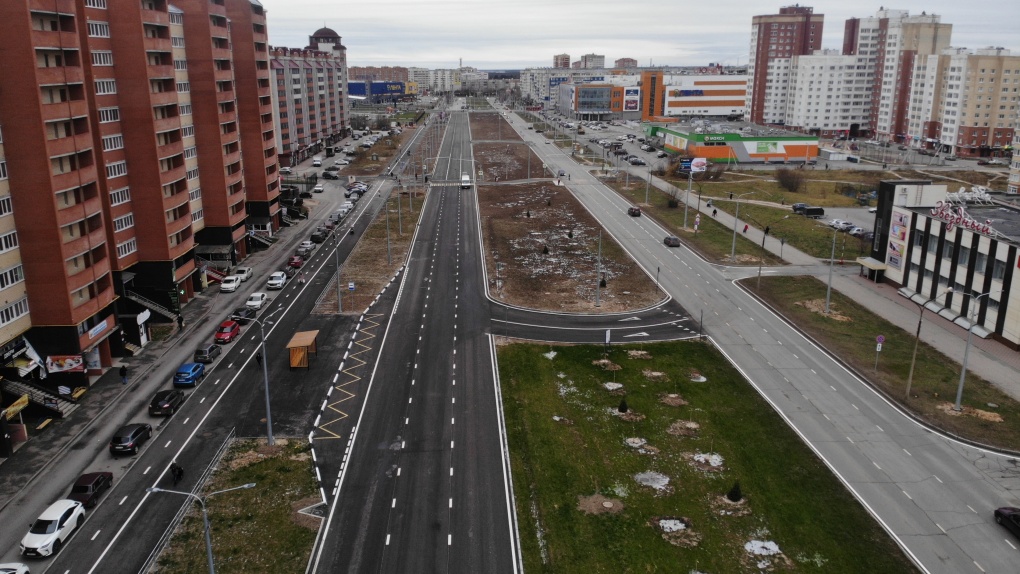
387, 88
675, 142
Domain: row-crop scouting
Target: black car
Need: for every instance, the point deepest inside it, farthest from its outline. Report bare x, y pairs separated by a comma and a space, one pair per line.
129, 438
243, 315
166, 402
89, 487
799, 207
671, 241
207, 353
1009, 517
330, 175
289, 271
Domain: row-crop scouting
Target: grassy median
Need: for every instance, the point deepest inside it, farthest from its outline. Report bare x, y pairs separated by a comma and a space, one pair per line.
580, 469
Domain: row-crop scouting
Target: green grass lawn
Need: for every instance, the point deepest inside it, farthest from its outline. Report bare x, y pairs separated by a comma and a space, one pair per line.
793, 499
253, 530
935, 376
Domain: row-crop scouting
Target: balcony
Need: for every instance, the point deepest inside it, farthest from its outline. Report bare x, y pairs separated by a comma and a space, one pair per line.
74, 178
84, 243
64, 109
69, 145
188, 267
178, 225
166, 124
179, 250
156, 44
59, 75
155, 17
51, 38
71, 213
88, 274
161, 71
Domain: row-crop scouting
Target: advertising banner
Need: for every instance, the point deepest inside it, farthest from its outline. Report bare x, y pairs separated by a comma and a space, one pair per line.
767, 147
699, 164
65, 364
894, 258
675, 142
631, 105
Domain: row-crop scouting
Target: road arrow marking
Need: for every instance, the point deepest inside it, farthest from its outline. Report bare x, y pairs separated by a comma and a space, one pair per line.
630, 319
641, 334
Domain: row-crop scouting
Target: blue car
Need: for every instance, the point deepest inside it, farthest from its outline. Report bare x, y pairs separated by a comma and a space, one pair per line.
189, 374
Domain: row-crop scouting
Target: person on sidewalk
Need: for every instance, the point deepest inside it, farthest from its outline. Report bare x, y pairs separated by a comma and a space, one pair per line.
176, 472
123, 374
745, 229
714, 211
258, 358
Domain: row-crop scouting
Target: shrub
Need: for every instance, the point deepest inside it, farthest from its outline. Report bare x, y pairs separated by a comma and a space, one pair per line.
734, 495
790, 180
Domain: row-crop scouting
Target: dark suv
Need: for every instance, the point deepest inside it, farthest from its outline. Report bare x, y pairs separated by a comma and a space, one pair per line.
89, 487
130, 438
671, 241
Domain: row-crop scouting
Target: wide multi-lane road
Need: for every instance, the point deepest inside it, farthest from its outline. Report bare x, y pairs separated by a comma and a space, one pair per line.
426, 487
935, 495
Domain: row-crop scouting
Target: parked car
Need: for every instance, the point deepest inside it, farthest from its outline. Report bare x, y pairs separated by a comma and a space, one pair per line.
14, 568
303, 252
319, 188
277, 280
637, 161
306, 243
1009, 517
296, 261
227, 331
661, 154
286, 171
856, 231
799, 207
208, 353
88, 488
53, 527
330, 175
166, 402
256, 300
129, 438
952, 157
671, 241
230, 284
646, 147
245, 273
318, 237
189, 374
243, 315
634, 211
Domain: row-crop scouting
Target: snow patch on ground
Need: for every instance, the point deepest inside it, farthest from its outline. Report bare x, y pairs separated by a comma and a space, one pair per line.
671, 525
612, 386
762, 548
711, 459
635, 442
653, 479
549, 355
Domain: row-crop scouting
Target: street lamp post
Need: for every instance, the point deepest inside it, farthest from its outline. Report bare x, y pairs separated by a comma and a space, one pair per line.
966, 350
687, 196
598, 273
761, 257
917, 338
736, 216
205, 514
832, 260
265, 376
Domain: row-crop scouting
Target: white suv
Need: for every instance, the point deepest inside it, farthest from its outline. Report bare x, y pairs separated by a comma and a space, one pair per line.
53, 527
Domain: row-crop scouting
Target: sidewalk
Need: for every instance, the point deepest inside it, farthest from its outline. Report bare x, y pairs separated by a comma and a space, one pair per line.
988, 358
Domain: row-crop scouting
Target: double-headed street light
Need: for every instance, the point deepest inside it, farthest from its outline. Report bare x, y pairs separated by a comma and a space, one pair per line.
205, 514
736, 216
917, 337
966, 350
265, 376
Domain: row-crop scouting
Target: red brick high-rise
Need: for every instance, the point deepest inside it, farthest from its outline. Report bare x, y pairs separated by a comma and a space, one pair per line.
795, 31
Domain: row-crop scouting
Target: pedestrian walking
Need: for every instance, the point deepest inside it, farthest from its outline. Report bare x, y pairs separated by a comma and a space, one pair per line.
258, 358
180, 321
123, 374
176, 472
714, 211
568, 177
745, 229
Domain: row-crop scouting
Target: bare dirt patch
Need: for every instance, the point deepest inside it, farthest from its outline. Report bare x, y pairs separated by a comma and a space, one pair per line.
546, 246
684, 428
636, 354
725, 507
948, 409
818, 306
598, 504
672, 399
656, 376
606, 365
676, 530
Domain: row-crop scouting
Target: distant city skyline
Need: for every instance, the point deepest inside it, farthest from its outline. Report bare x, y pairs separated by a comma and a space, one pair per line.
505, 34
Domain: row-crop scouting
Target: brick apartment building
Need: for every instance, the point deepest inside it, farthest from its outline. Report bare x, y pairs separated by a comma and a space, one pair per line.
136, 140
775, 38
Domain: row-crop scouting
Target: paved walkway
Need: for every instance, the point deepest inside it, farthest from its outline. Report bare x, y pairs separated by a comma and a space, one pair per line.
988, 358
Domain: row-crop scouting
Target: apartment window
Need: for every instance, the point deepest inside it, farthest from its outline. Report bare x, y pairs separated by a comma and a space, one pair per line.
14, 311
107, 115
933, 243
127, 248
963, 256
188, 131
12, 276
180, 65
3, 170
96, 4
183, 87
8, 241
197, 215
102, 58
113, 142
177, 41
106, 87
119, 196
125, 222
6, 207
99, 29
193, 173
195, 194
190, 152
176, 18
981, 262
116, 169
184, 109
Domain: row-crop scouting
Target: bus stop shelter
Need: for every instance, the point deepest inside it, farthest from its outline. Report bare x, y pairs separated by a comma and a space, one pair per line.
300, 346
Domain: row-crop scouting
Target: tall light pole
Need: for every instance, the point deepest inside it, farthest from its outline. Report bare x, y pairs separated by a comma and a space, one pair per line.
205, 514
598, 273
736, 216
966, 350
687, 196
761, 257
917, 338
265, 375
832, 260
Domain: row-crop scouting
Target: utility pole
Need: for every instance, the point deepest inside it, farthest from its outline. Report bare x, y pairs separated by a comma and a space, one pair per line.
598, 273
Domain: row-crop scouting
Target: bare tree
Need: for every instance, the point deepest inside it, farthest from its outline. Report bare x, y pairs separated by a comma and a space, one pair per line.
790, 180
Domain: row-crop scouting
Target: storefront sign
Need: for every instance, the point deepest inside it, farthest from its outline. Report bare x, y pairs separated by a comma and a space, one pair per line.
16, 407
959, 217
94, 331
894, 257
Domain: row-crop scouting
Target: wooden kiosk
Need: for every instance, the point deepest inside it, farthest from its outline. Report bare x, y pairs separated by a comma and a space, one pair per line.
301, 345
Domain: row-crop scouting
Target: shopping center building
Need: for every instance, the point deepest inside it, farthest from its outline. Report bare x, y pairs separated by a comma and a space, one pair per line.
953, 251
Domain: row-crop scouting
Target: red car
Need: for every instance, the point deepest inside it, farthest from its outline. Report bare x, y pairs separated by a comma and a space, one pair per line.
228, 331
295, 261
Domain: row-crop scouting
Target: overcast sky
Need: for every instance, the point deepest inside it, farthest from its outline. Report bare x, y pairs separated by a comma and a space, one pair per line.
513, 34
